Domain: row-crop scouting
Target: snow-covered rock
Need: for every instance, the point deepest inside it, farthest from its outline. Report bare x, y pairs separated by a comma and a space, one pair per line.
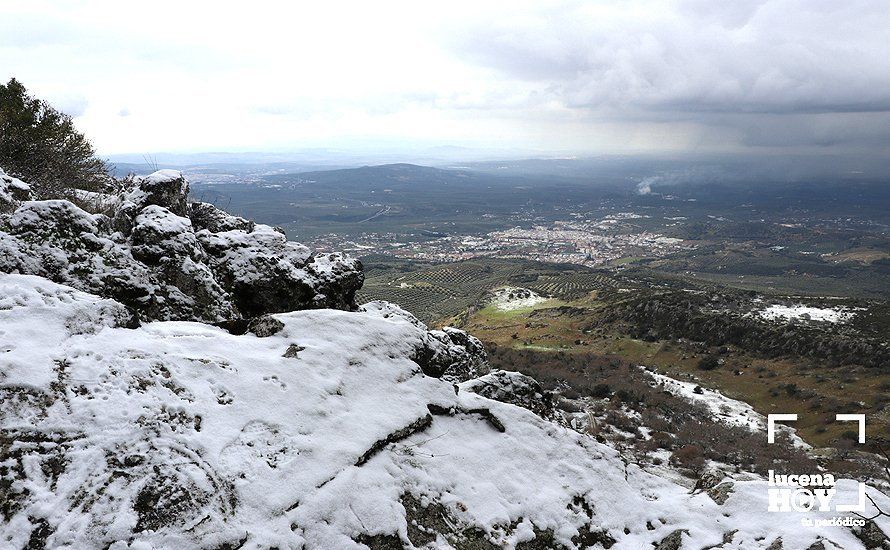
206, 216
167, 188
159, 233
183, 435
450, 353
153, 257
13, 191
517, 389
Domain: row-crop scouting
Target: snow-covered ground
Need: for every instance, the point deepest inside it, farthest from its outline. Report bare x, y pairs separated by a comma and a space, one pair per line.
183, 435
512, 298
779, 312
724, 409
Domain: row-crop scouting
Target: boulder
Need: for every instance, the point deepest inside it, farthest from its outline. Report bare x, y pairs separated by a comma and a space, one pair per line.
517, 389
206, 216
159, 233
167, 188
264, 272
265, 326
58, 221
674, 541
872, 536
450, 353
720, 493
338, 278
456, 354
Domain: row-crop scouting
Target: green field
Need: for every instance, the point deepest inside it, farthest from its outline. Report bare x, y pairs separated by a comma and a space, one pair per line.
436, 292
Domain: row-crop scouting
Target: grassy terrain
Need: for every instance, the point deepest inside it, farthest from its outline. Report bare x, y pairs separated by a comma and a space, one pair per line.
575, 321
442, 291
771, 385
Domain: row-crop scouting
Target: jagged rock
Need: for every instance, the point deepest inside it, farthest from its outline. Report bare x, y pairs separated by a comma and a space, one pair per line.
453, 355
339, 277
293, 351
166, 188
674, 541
467, 365
872, 536
709, 479
450, 353
517, 389
57, 240
158, 233
149, 256
266, 273
265, 326
206, 216
720, 493
57, 221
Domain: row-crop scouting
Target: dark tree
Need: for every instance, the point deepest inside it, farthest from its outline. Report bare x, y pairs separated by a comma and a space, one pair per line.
40, 145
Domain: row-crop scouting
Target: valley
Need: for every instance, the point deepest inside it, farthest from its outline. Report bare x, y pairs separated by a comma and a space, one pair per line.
774, 295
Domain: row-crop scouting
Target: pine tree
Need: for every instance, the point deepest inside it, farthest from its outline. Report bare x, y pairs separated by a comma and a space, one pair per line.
40, 145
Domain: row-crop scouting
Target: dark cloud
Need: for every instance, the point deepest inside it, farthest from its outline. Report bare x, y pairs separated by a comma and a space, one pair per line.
782, 64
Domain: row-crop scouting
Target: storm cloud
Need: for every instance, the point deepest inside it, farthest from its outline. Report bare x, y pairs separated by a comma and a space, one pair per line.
557, 76
740, 57
769, 70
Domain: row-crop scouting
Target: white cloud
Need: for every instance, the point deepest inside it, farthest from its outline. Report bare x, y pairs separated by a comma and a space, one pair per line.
571, 75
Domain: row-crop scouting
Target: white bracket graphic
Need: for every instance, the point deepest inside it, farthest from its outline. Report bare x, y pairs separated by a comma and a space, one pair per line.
857, 418
771, 424
859, 507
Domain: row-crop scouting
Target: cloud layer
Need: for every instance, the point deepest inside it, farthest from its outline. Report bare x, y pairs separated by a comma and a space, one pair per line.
563, 76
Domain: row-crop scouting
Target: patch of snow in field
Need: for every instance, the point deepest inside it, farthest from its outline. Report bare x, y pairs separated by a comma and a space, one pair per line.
777, 312
726, 410
511, 298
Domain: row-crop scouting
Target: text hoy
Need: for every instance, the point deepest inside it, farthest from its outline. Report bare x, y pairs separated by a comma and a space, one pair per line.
803, 493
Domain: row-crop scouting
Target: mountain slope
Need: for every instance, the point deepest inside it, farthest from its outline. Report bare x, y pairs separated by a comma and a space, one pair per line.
179, 434
318, 428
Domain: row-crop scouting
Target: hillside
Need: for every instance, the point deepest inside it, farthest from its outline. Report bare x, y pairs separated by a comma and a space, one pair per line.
297, 419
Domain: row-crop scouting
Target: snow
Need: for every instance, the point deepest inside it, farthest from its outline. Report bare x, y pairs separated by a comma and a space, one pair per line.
266, 446
243, 253
161, 220
779, 312
10, 187
724, 409
512, 298
160, 176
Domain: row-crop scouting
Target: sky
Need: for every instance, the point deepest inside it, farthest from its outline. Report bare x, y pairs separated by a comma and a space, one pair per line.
563, 77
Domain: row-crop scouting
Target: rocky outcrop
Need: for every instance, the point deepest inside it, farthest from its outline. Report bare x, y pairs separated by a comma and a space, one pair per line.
517, 389
167, 188
450, 353
314, 429
206, 216
168, 259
